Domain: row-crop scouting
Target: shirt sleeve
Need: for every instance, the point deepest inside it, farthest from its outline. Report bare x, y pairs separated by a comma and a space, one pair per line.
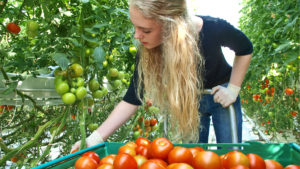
236, 40
131, 94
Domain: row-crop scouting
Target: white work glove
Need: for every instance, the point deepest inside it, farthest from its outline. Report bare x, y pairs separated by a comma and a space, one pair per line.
94, 139
225, 96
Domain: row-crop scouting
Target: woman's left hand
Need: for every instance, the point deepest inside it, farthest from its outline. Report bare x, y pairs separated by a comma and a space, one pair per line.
225, 96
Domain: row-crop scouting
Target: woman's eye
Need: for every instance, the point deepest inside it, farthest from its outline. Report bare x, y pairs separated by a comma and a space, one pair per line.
146, 31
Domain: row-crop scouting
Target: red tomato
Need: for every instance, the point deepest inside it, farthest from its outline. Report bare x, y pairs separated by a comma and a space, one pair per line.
85, 163
207, 160
288, 91
179, 166
159, 161
160, 148
8, 108
142, 150
151, 165
142, 141
180, 155
272, 164
92, 155
234, 158
127, 150
195, 150
131, 144
108, 159
125, 161
153, 121
256, 162
292, 166
106, 166
240, 167
13, 28
140, 160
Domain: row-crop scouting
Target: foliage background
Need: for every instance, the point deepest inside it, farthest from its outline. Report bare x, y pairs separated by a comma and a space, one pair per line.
273, 27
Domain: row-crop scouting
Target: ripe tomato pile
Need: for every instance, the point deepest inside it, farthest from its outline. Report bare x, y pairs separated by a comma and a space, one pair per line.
162, 154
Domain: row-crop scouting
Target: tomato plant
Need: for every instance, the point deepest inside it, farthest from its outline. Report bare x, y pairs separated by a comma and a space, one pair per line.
273, 77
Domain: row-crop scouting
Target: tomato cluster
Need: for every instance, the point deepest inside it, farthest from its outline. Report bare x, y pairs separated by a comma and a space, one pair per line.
5, 108
147, 122
70, 83
162, 154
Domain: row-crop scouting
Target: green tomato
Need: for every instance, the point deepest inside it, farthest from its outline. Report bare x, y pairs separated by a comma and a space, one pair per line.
136, 135
77, 82
94, 85
97, 94
81, 92
58, 79
105, 91
31, 34
88, 51
32, 26
92, 126
105, 63
69, 98
62, 88
121, 75
113, 72
132, 50
116, 83
76, 70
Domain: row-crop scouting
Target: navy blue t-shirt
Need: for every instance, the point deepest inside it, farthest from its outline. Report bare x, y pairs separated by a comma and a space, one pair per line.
215, 33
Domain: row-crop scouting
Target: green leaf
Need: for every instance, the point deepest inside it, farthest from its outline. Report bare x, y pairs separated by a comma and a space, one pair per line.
285, 45
99, 25
61, 60
99, 56
90, 30
89, 38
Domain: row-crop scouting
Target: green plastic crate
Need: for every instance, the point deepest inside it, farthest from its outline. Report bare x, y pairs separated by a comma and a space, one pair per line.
285, 153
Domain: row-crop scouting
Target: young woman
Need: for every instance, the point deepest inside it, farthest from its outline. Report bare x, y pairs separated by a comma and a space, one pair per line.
180, 55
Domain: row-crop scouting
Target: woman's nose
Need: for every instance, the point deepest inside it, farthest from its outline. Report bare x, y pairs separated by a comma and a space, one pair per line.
137, 35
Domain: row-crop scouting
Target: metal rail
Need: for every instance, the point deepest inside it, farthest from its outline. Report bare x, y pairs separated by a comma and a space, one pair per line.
232, 115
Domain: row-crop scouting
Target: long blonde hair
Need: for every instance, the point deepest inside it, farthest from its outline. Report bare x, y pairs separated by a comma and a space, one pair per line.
171, 73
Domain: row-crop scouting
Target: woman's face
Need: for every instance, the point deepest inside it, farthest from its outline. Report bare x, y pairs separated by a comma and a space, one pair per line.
147, 31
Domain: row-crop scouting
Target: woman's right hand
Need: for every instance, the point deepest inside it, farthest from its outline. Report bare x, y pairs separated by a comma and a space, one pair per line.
94, 139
